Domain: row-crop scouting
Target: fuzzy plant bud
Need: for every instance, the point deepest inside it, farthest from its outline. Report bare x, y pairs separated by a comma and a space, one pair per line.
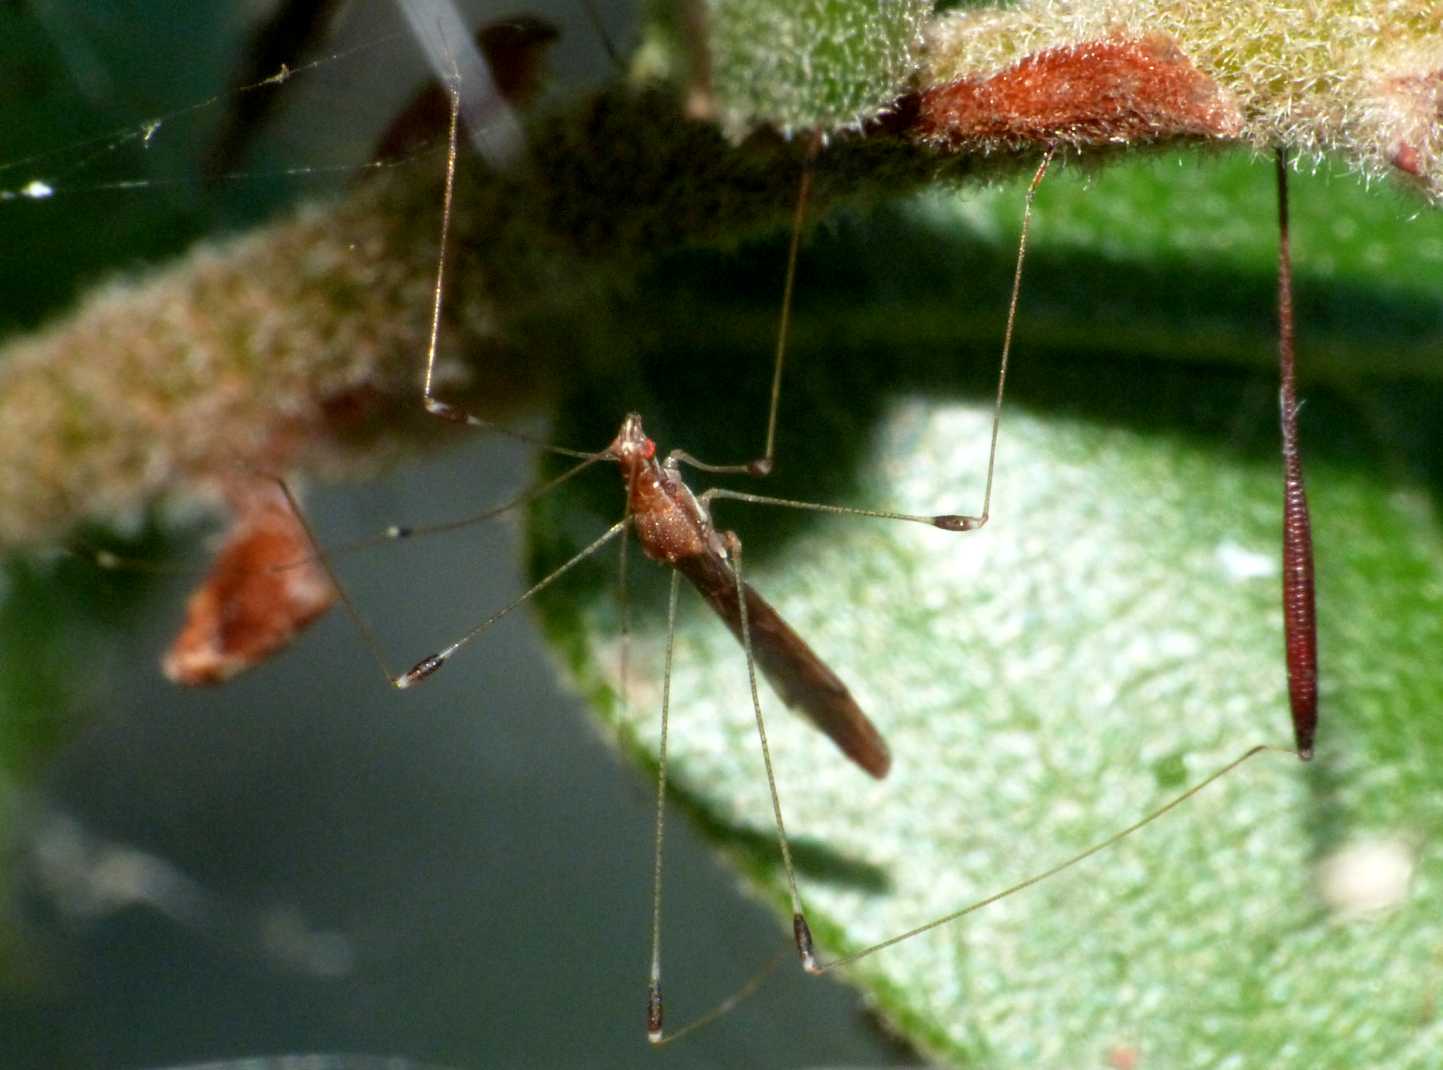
1362, 82
809, 65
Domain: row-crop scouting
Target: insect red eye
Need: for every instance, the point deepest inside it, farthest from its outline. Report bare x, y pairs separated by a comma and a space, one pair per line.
648, 451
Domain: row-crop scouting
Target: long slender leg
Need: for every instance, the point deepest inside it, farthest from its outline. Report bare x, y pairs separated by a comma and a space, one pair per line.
432, 662
945, 521
979, 521
1298, 602
653, 994
624, 733
764, 464
655, 1032
1067, 863
435, 406
802, 935
399, 533
1300, 625
800, 929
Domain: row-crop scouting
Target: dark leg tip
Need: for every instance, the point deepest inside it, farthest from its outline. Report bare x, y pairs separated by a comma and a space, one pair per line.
418, 672
805, 948
952, 522
653, 1012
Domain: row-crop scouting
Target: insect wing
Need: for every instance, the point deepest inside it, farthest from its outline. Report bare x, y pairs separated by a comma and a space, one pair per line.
795, 672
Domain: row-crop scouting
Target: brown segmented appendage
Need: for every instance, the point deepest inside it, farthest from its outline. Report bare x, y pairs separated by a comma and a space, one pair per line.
1300, 626
1299, 615
1111, 91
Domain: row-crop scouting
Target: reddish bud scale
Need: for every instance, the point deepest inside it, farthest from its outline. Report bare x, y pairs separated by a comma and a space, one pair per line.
260, 592
1096, 93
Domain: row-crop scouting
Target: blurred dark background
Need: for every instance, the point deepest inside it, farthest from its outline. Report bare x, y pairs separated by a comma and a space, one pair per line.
300, 861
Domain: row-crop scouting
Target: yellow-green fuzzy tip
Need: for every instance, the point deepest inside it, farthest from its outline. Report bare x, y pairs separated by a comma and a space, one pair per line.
810, 64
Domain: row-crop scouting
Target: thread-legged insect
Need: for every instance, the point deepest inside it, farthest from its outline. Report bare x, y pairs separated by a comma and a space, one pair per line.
676, 528
753, 544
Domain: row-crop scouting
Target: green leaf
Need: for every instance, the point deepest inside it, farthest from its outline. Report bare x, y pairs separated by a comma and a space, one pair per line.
1113, 635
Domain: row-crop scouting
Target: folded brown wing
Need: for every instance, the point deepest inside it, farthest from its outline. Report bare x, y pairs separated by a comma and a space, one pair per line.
795, 672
